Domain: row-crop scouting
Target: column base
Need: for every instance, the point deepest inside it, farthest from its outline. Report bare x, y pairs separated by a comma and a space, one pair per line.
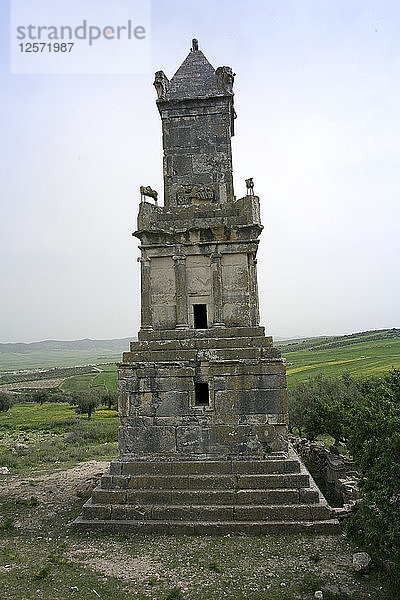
183, 326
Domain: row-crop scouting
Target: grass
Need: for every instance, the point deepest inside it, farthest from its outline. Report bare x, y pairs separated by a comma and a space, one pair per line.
371, 357
78, 383
55, 434
54, 564
107, 379
40, 359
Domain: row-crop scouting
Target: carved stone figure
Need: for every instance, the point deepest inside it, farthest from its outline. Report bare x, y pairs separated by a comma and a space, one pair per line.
149, 192
225, 77
250, 186
187, 193
161, 83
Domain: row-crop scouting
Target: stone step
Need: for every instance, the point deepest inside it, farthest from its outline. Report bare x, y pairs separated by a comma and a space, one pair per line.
204, 482
195, 467
329, 526
299, 512
202, 343
220, 332
206, 497
192, 354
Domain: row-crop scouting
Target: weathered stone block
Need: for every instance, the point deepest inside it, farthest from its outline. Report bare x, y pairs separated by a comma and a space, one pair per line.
143, 440
192, 440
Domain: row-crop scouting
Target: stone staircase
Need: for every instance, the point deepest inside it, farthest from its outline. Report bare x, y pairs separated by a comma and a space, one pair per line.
214, 497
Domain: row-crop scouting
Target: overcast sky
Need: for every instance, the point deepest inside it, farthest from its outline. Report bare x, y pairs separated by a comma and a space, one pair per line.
318, 101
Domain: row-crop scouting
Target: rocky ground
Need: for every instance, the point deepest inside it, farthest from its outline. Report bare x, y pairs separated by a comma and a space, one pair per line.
40, 557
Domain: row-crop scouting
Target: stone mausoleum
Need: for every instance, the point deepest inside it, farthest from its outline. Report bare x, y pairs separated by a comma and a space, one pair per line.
203, 438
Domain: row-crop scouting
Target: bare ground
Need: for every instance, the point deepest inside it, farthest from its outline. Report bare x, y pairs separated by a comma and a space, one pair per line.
54, 491
220, 567
36, 384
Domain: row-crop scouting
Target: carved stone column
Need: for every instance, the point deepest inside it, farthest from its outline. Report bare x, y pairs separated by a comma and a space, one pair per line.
253, 291
216, 270
145, 286
182, 321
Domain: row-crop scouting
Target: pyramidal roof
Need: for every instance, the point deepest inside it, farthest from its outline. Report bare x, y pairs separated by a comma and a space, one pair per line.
195, 78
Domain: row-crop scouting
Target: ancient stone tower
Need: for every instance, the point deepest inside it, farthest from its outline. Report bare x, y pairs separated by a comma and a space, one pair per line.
203, 437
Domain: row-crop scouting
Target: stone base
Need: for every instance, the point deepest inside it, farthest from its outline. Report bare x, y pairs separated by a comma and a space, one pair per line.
192, 497
245, 412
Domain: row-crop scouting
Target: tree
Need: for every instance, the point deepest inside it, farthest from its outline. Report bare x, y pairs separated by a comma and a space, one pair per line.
109, 399
374, 442
320, 405
365, 414
40, 396
58, 396
300, 398
6, 401
86, 402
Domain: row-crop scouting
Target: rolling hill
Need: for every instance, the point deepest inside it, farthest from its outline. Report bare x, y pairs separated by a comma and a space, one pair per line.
54, 353
364, 353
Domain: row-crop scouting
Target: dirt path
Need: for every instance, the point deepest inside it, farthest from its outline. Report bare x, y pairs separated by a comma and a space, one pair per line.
35, 384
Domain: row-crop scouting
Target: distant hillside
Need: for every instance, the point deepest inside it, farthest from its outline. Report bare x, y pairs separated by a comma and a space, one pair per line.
55, 353
323, 343
363, 353
57, 345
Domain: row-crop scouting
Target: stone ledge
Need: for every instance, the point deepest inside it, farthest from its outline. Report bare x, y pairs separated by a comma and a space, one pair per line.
220, 332
330, 526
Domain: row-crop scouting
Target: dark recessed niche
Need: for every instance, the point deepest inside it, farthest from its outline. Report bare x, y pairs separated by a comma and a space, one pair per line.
201, 394
200, 316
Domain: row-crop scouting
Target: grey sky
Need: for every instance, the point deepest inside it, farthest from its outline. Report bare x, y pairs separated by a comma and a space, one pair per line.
318, 103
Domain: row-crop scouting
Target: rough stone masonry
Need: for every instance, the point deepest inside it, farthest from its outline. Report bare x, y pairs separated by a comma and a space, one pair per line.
203, 442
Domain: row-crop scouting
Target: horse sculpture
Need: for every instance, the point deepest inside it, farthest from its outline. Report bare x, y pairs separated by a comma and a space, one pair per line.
250, 186
147, 191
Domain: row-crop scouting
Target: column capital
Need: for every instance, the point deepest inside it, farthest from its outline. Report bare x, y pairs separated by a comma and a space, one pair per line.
144, 257
215, 256
179, 257
178, 254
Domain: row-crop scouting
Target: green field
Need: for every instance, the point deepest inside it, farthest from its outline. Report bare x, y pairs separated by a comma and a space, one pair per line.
107, 380
29, 416
14, 361
367, 353
55, 433
53, 353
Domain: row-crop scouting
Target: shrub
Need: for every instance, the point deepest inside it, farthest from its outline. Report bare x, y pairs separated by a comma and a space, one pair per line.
58, 396
374, 441
6, 401
364, 413
320, 405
